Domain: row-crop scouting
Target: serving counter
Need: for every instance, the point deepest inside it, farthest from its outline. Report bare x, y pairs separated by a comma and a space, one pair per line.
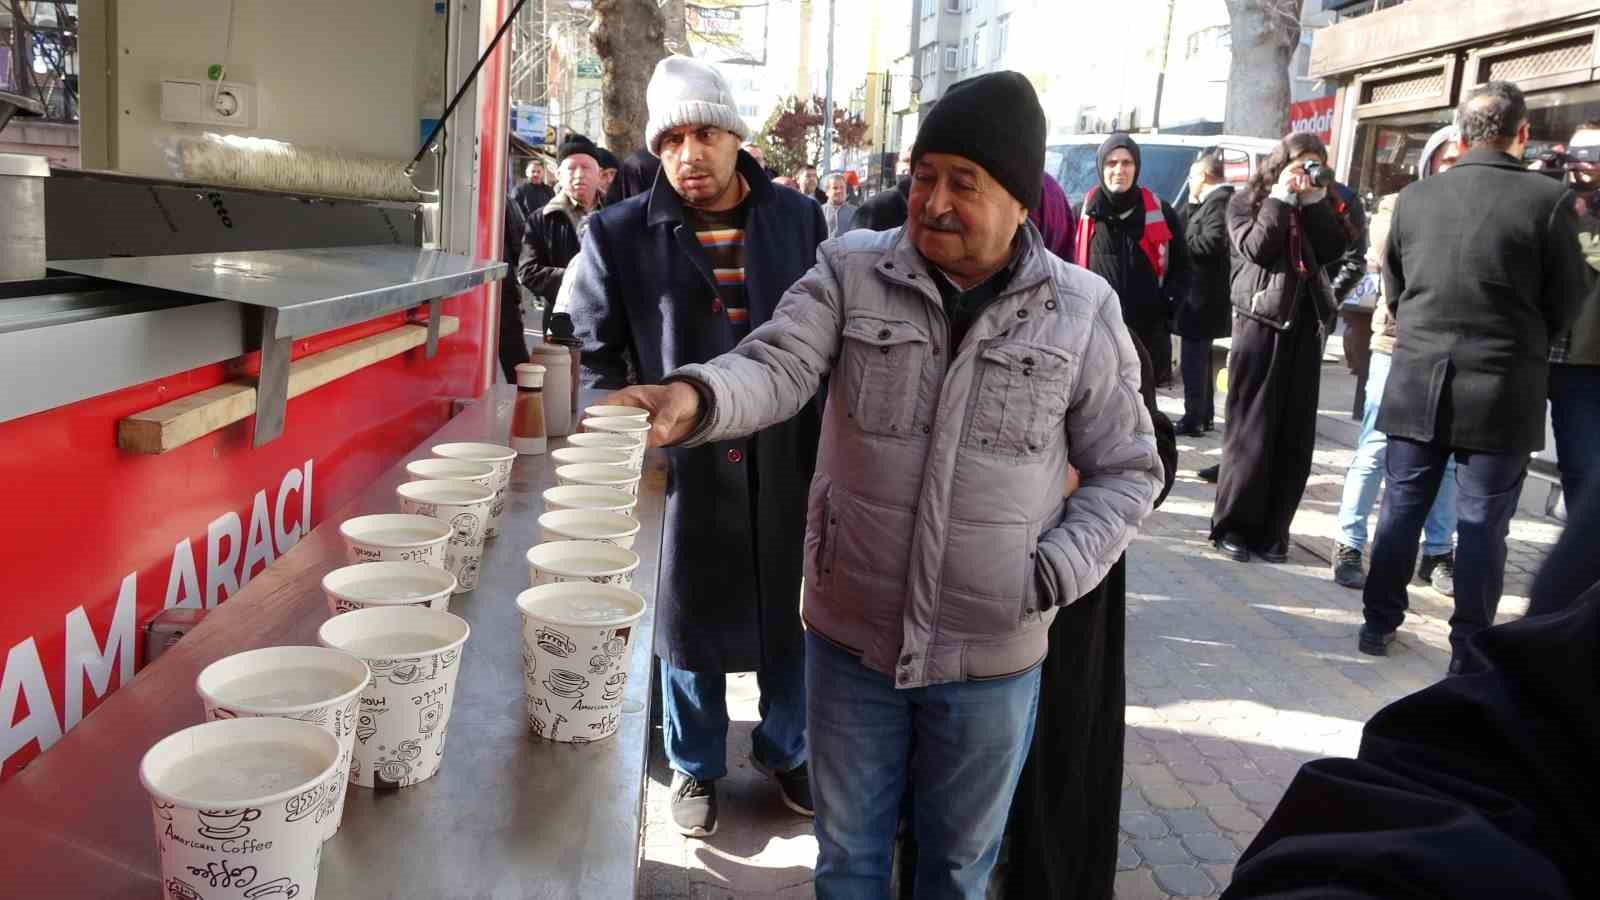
508, 815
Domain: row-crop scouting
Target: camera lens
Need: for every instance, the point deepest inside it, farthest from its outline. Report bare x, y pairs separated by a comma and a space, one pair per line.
1319, 174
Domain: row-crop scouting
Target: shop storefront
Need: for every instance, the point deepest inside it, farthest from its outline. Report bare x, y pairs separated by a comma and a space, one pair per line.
1401, 71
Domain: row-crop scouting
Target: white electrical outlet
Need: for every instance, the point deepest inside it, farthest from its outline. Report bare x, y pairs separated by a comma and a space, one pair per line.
226, 103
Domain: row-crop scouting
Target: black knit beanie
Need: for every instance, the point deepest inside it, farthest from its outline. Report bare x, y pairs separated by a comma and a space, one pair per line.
1119, 141
605, 158
577, 143
994, 120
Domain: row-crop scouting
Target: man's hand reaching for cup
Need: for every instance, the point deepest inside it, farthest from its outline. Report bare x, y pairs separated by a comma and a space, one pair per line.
674, 409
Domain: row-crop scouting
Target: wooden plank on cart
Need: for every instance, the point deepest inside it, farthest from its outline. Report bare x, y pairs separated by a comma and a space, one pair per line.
171, 425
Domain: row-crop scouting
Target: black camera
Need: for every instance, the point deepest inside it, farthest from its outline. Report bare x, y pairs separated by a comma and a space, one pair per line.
1319, 174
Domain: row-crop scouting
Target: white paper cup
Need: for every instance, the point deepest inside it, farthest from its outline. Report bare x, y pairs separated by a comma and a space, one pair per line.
396, 537
617, 412
619, 478
589, 525
575, 652
585, 496
235, 806
415, 655
575, 456
440, 469
501, 458
465, 507
309, 684
387, 584
633, 428
593, 561
633, 444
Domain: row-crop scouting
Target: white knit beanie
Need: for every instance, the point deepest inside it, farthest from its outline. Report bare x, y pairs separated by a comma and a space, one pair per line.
686, 91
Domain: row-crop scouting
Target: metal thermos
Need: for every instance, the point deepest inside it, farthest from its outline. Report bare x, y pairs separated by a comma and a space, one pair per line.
558, 388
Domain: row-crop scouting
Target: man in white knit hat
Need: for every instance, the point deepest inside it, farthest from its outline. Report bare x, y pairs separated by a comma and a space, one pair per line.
678, 275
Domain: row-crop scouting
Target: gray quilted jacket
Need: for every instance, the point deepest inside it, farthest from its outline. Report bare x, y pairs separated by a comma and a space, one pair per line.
938, 544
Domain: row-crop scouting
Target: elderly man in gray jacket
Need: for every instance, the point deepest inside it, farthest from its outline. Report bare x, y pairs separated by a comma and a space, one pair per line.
973, 374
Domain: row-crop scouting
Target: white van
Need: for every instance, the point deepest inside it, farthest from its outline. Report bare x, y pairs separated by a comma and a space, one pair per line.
1165, 161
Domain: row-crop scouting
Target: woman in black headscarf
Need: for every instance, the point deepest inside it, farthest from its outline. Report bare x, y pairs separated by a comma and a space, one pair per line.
1283, 226
1133, 239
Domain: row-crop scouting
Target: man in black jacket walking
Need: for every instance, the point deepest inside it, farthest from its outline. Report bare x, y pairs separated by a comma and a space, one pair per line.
1483, 265
1204, 313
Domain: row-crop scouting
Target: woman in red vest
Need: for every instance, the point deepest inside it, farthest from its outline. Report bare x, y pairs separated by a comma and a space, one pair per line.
1133, 239
1283, 228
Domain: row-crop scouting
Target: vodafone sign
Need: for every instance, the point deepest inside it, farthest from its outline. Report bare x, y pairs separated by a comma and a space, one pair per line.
1315, 116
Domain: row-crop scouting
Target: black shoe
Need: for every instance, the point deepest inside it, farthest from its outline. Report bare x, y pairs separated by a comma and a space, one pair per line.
1210, 473
795, 785
694, 806
1230, 546
1347, 567
1276, 552
1439, 571
1374, 642
1187, 430
1458, 666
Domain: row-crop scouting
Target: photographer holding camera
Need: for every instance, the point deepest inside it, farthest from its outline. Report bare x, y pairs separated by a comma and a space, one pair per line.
1575, 353
1284, 228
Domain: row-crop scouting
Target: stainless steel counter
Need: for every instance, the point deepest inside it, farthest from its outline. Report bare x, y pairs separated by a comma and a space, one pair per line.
508, 815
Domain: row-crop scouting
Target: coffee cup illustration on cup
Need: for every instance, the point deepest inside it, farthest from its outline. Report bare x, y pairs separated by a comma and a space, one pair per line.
565, 683
227, 824
555, 643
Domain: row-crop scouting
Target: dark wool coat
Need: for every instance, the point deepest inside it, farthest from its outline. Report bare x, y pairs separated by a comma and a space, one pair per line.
1204, 311
1483, 266
1480, 787
728, 588
1264, 284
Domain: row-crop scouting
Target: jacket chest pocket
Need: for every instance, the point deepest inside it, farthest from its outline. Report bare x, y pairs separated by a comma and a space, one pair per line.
882, 364
1021, 400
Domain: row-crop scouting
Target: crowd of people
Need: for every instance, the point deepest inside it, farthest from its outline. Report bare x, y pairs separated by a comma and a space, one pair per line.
932, 412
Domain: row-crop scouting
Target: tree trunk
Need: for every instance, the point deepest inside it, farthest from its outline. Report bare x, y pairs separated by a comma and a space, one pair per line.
676, 28
628, 37
1265, 34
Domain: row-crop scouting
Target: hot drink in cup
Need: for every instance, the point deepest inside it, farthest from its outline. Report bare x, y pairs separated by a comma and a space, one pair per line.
466, 508
592, 561
619, 478
396, 538
586, 496
308, 684
481, 474
236, 806
501, 457
415, 656
575, 654
632, 427
387, 584
607, 440
617, 412
589, 525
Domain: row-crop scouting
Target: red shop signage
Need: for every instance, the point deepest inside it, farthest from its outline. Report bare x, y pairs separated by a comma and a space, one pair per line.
1315, 116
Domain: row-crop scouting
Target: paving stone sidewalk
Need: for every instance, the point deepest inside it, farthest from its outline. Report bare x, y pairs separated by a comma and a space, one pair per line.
1237, 674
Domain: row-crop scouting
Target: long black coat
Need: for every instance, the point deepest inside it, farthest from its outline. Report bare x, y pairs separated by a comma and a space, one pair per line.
1203, 311
1483, 266
1480, 787
728, 591
1114, 255
1264, 283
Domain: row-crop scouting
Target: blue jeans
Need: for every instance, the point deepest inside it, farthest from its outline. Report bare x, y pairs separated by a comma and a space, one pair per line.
1575, 419
694, 718
971, 739
1365, 477
1490, 485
